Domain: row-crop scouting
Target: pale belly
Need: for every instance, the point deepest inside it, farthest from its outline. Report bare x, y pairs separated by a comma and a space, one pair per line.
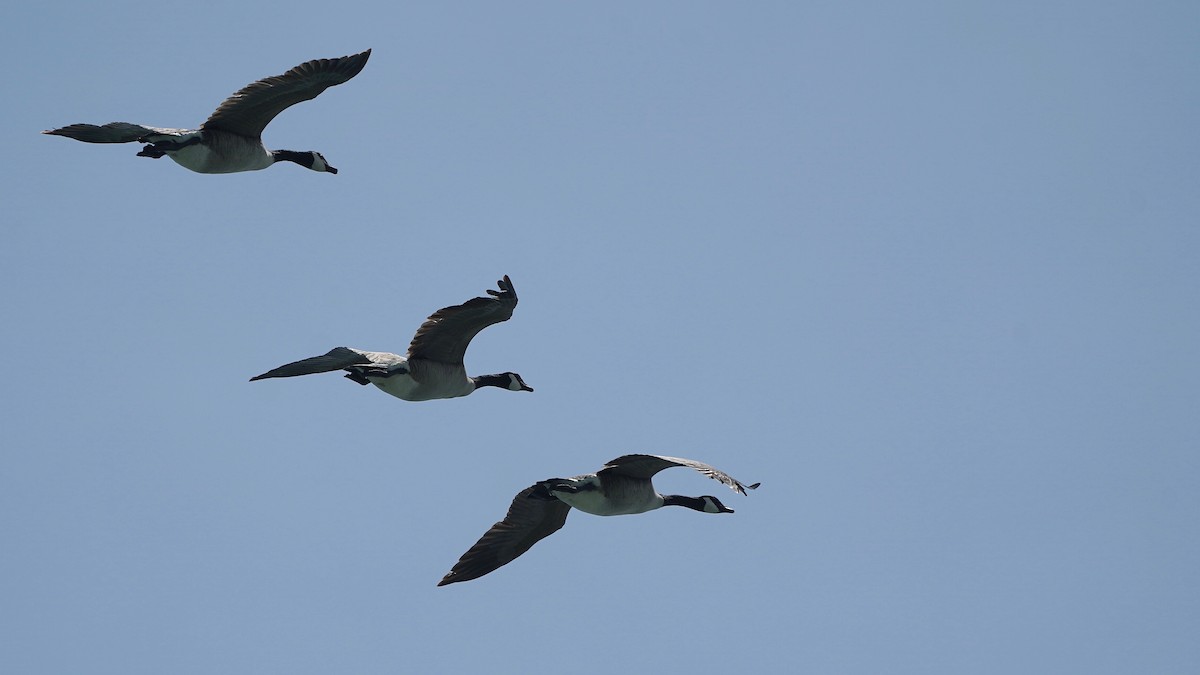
403, 386
597, 503
202, 159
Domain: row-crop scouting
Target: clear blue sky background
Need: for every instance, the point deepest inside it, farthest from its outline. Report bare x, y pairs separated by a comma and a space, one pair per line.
927, 270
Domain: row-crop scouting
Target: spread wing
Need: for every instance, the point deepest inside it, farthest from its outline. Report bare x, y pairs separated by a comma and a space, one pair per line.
645, 466
530, 519
249, 110
113, 132
446, 333
335, 359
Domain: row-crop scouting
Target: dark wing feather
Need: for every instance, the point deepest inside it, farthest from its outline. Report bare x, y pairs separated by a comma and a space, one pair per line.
446, 333
113, 132
249, 110
335, 359
645, 466
530, 519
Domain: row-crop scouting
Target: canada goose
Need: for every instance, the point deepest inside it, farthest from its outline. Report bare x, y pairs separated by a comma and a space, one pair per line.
622, 487
433, 367
230, 140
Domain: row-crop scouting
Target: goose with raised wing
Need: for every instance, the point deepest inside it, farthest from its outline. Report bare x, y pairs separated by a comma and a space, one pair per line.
433, 367
622, 487
230, 140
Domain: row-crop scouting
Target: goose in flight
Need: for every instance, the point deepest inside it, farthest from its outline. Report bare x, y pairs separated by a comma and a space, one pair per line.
622, 487
434, 366
230, 140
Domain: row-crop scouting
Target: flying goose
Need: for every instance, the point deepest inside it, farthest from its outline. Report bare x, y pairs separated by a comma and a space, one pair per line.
622, 487
433, 367
230, 140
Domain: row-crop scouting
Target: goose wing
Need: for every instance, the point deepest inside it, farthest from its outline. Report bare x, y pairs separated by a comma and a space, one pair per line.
335, 359
645, 466
530, 519
446, 333
249, 110
113, 132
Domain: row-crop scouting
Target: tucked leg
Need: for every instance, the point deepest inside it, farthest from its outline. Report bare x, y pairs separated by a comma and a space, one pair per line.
358, 377
160, 148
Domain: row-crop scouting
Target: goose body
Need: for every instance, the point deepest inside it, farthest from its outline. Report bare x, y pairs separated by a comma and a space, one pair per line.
433, 367
623, 487
230, 140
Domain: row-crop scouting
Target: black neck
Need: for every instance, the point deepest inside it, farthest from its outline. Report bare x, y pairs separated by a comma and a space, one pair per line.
491, 381
679, 500
304, 159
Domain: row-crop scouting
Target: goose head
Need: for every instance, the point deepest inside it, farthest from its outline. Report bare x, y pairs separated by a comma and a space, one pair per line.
509, 381
714, 505
515, 383
705, 504
309, 159
319, 163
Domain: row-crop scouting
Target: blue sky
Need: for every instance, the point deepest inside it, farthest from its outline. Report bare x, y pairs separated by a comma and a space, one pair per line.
928, 271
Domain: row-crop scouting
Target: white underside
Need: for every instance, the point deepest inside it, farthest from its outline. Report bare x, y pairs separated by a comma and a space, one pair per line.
403, 386
641, 499
222, 154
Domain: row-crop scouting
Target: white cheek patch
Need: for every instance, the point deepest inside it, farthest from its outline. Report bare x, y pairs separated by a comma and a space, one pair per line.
319, 162
513, 383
